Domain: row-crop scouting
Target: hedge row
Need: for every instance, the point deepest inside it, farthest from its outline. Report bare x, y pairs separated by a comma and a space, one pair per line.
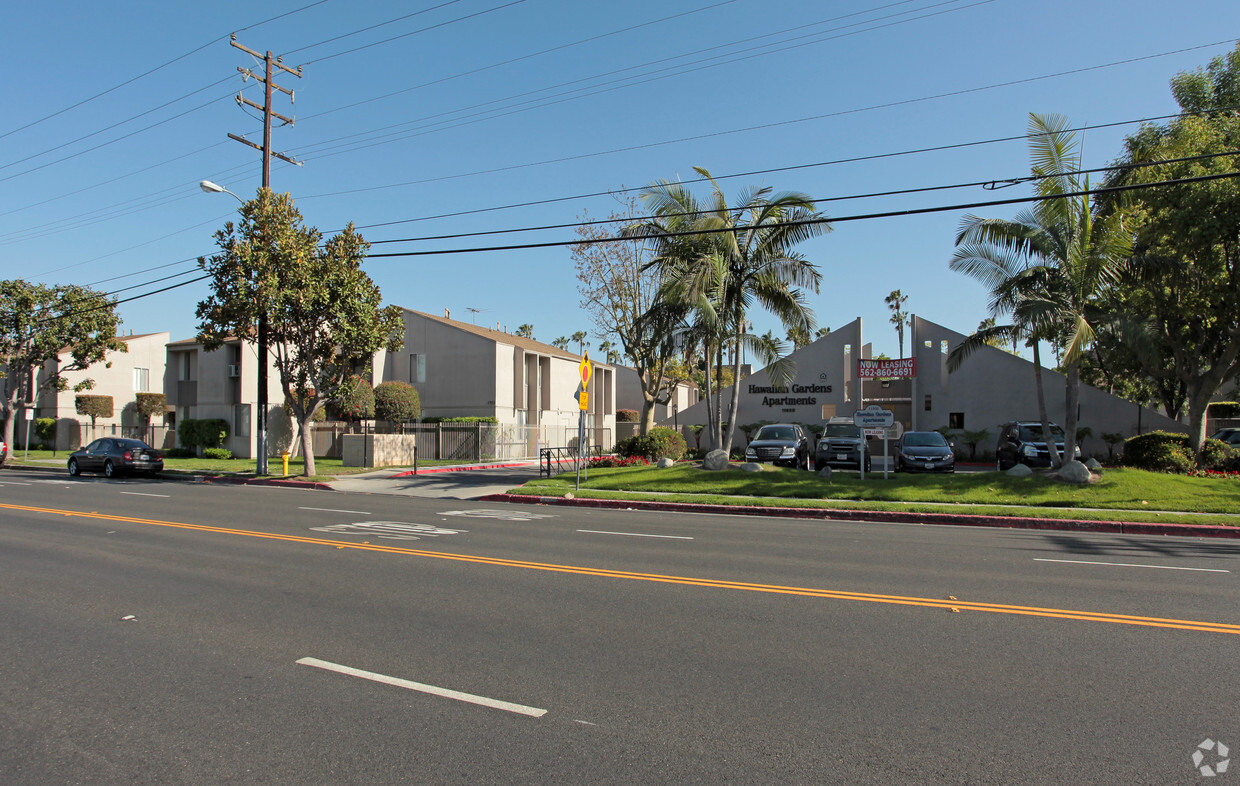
1164, 451
207, 433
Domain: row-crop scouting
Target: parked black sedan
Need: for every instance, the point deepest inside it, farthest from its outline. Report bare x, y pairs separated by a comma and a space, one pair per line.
780, 443
114, 455
925, 451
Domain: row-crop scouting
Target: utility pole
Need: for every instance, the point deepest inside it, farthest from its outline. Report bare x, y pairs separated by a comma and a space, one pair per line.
271, 63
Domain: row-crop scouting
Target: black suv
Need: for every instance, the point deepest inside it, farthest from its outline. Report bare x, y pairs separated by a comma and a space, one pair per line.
780, 443
842, 444
1021, 442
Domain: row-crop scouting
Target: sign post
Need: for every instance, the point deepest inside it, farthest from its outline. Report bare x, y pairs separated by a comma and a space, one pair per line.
873, 419
583, 403
29, 417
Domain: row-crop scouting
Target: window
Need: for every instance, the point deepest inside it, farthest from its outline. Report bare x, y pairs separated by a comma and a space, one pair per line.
241, 420
417, 368
927, 402
955, 420
141, 380
185, 367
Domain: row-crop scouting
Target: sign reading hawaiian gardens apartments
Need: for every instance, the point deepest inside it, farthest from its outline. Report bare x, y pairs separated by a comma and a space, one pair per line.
899, 368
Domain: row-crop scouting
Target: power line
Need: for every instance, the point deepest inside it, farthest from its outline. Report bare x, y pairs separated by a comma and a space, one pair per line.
824, 220
987, 184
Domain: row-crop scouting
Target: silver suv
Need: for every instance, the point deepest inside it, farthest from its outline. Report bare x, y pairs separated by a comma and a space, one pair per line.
841, 445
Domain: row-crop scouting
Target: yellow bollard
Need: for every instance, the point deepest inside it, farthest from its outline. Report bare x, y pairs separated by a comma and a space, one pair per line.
285, 455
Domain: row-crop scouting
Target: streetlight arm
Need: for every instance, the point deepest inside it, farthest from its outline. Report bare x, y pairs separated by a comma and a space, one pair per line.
215, 188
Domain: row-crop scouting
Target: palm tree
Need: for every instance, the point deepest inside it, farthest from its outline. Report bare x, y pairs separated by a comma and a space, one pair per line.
743, 254
609, 351
580, 338
526, 331
1050, 265
561, 342
799, 337
894, 301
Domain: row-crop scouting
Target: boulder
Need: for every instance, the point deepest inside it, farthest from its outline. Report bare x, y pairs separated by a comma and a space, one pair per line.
1074, 472
666, 462
715, 460
1094, 464
1019, 471
751, 466
825, 473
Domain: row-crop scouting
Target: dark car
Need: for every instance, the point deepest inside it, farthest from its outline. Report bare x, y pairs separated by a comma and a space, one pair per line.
842, 444
1229, 435
925, 451
4, 452
1021, 442
114, 455
780, 443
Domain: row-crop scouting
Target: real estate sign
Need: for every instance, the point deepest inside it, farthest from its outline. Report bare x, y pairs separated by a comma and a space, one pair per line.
899, 368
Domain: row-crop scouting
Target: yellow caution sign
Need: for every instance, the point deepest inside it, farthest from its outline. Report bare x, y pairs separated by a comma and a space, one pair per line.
584, 401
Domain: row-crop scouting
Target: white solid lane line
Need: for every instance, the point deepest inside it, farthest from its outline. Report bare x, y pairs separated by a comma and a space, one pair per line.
520, 709
1130, 565
14, 483
140, 494
333, 510
633, 534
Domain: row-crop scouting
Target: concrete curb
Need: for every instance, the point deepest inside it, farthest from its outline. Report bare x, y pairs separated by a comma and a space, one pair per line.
1006, 522
188, 478
461, 468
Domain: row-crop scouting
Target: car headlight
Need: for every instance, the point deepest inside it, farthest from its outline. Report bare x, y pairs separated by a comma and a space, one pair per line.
1078, 449
749, 452
1029, 450
788, 451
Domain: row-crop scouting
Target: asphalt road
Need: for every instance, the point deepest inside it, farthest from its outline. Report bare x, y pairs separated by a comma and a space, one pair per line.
185, 633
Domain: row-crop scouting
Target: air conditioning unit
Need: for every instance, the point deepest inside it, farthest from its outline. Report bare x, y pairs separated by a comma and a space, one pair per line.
234, 370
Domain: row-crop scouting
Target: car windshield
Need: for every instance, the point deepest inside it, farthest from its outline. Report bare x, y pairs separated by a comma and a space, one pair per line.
1034, 433
786, 433
841, 430
924, 439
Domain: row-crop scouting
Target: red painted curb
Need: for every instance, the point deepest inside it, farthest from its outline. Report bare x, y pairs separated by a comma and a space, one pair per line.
1006, 522
433, 470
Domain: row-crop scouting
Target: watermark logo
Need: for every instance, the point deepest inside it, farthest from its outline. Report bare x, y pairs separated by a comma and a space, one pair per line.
1210, 758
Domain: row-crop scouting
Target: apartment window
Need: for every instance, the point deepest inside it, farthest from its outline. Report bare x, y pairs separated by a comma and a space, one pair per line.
241, 420
955, 420
185, 367
417, 368
927, 402
141, 380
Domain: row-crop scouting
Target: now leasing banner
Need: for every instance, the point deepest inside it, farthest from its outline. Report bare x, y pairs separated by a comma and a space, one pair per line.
894, 369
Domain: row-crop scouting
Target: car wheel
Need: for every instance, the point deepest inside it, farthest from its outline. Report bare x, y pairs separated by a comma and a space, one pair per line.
73, 468
109, 469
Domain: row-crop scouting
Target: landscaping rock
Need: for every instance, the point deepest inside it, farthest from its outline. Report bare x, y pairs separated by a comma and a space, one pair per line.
1019, 471
825, 473
1094, 464
666, 462
715, 460
1074, 472
750, 466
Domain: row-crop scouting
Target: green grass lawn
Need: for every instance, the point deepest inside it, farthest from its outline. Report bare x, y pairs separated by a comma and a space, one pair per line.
1144, 496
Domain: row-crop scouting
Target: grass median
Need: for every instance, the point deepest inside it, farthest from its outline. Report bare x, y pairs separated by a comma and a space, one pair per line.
1118, 494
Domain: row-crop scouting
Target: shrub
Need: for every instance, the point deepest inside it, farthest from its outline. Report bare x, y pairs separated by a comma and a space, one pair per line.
356, 400
93, 406
178, 453
319, 416
45, 428
603, 462
217, 453
397, 401
202, 433
1218, 455
487, 419
660, 442
1150, 451
627, 416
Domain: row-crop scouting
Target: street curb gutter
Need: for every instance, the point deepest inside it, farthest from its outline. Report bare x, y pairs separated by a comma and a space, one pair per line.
185, 477
895, 517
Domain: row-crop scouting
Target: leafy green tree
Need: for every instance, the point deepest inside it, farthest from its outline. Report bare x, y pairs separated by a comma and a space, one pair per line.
37, 324
93, 406
742, 254
895, 301
356, 399
324, 312
1185, 273
619, 290
1052, 263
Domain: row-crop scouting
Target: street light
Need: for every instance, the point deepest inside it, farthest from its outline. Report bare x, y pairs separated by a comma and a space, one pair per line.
260, 465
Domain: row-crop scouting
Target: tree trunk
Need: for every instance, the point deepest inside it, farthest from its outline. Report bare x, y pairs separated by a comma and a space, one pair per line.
1197, 406
1046, 423
647, 413
307, 441
1071, 396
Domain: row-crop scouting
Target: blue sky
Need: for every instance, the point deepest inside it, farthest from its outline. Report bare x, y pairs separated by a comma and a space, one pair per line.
481, 104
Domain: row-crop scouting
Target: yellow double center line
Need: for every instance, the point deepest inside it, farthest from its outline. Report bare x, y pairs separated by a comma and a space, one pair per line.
898, 600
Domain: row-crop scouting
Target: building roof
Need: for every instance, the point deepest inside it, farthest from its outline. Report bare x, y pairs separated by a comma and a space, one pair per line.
499, 336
